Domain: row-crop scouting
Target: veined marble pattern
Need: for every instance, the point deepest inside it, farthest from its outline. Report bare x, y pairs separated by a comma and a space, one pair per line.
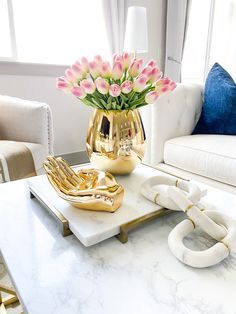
59, 275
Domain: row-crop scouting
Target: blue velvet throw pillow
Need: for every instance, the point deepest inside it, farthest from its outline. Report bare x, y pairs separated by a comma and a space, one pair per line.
219, 107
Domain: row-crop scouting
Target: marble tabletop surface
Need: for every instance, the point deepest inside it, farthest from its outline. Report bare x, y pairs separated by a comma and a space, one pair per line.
57, 275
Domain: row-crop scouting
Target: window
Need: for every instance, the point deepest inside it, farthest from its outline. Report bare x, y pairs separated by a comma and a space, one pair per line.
6, 49
53, 32
223, 45
210, 38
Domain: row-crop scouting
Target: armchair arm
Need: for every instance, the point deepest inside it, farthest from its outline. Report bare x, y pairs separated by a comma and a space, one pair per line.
175, 115
26, 121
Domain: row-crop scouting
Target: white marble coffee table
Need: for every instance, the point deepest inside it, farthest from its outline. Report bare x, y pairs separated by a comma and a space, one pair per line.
58, 275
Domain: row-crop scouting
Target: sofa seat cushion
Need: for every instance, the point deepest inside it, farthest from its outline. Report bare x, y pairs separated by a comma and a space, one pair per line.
39, 153
211, 156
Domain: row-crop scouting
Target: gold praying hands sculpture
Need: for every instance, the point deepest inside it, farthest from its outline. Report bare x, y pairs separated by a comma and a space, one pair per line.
87, 189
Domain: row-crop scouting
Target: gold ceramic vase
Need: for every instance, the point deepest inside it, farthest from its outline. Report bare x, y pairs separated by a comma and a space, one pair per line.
116, 140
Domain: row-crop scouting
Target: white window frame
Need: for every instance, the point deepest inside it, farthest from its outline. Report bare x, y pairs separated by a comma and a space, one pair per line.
209, 39
12, 33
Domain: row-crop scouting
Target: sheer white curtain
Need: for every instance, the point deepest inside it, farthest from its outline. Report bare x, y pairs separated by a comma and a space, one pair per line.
115, 13
176, 27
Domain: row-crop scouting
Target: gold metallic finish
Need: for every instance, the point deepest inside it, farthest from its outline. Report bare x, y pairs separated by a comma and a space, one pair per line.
194, 226
87, 189
116, 140
8, 300
125, 228
155, 198
188, 207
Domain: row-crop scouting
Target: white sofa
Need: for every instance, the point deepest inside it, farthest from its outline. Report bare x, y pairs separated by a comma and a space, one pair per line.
208, 158
29, 122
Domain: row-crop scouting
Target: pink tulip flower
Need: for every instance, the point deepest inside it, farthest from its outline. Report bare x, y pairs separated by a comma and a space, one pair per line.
162, 82
155, 75
147, 71
78, 71
164, 85
105, 70
126, 60
98, 59
119, 58
85, 64
126, 87
165, 89
70, 75
152, 63
93, 69
114, 90
140, 62
89, 87
78, 91
114, 57
62, 84
172, 85
165, 81
117, 70
61, 78
151, 97
134, 68
140, 83
102, 85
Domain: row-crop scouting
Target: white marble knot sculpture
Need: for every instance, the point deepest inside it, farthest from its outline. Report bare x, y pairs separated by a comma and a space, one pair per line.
180, 195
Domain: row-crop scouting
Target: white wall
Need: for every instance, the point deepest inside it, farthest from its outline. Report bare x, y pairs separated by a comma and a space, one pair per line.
71, 117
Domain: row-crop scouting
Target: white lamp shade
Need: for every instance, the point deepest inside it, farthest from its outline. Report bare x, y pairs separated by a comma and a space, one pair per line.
136, 37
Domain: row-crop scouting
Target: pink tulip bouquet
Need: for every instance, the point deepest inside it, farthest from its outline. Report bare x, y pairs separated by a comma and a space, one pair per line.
124, 85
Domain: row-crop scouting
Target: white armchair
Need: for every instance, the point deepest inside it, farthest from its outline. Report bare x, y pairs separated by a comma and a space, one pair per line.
209, 158
30, 123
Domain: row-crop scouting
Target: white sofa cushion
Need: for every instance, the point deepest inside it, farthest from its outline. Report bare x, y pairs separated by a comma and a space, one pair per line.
212, 156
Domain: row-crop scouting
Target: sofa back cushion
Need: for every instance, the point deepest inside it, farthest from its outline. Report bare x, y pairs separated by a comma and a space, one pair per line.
219, 107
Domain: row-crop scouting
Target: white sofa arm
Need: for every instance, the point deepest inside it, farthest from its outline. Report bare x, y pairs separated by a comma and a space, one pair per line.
26, 121
174, 115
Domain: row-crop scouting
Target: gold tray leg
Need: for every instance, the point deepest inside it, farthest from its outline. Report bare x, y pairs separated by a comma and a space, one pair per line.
125, 228
9, 300
64, 224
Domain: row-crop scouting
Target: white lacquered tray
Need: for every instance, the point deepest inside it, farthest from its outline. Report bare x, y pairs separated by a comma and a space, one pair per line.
91, 227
